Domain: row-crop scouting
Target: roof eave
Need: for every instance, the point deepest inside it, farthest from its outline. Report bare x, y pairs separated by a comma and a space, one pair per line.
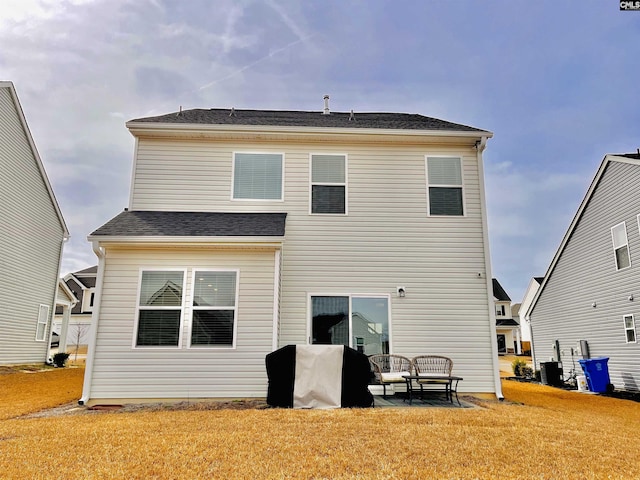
34, 150
262, 241
158, 129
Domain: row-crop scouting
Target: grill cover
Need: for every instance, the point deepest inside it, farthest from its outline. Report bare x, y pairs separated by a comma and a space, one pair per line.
318, 376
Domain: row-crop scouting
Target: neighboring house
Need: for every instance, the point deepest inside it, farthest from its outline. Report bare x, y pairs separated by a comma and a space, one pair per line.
249, 230
527, 299
591, 290
507, 327
32, 236
82, 285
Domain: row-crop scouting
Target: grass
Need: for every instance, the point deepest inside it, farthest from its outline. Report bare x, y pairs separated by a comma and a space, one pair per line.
538, 433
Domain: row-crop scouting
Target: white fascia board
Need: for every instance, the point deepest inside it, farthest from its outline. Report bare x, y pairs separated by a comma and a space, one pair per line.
34, 150
150, 128
576, 218
62, 285
214, 241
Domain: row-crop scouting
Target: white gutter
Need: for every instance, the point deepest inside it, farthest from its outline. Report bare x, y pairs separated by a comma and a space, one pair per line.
218, 241
137, 128
480, 146
93, 334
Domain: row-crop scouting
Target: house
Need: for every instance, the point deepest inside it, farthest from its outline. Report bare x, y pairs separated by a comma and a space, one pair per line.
507, 327
82, 285
32, 236
527, 299
587, 304
249, 230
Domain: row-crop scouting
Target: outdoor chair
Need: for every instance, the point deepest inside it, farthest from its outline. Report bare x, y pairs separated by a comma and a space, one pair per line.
389, 369
433, 365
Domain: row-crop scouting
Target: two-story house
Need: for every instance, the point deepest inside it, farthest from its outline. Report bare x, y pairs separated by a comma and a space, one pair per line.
507, 327
248, 230
588, 301
32, 237
75, 331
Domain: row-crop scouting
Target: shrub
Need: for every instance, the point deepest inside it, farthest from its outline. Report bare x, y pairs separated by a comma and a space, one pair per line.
518, 365
59, 359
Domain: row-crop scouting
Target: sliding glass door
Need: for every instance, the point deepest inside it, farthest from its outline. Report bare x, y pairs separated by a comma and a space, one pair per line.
359, 322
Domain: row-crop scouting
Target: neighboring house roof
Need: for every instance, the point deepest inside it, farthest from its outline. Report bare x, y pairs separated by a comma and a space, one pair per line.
630, 158
507, 322
87, 271
192, 224
86, 277
34, 150
499, 293
394, 121
539, 280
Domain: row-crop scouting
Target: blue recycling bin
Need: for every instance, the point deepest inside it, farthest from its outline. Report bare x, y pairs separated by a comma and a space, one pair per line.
597, 372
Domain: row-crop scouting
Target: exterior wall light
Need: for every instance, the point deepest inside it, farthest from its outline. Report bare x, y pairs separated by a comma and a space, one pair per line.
401, 291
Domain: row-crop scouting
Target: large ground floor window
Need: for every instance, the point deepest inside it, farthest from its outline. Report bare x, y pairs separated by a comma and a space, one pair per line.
359, 322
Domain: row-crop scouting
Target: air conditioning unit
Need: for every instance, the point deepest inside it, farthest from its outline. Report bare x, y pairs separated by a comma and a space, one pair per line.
551, 373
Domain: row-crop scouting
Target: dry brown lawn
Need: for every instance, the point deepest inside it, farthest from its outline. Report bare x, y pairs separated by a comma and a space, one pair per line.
538, 433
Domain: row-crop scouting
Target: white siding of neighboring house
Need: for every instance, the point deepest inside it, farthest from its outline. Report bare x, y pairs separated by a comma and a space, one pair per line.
386, 240
123, 372
586, 273
525, 327
31, 236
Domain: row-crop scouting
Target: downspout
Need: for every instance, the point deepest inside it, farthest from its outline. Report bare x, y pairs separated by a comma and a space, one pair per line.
276, 299
93, 334
480, 146
52, 312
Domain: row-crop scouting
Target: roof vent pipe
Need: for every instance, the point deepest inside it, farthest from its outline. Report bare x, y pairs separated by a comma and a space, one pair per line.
326, 105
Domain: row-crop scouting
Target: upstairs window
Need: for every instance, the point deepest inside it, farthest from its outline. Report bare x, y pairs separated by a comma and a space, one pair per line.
160, 309
444, 178
620, 246
630, 328
214, 308
257, 176
329, 184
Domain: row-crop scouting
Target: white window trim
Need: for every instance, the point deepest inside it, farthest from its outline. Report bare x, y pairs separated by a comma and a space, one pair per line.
235, 308
626, 238
233, 176
461, 186
42, 321
633, 322
345, 184
350, 296
182, 308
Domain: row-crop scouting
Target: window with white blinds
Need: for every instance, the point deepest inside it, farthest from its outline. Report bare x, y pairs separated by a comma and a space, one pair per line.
43, 319
328, 184
620, 246
160, 308
257, 176
214, 303
444, 184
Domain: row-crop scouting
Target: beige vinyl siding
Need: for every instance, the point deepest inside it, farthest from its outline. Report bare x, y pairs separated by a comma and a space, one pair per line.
387, 239
30, 242
122, 371
586, 273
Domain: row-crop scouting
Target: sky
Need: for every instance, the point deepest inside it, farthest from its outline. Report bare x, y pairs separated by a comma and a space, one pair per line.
556, 81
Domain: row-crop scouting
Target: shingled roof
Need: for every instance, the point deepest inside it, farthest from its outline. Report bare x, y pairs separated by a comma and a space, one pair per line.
499, 293
192, 224
282, 118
